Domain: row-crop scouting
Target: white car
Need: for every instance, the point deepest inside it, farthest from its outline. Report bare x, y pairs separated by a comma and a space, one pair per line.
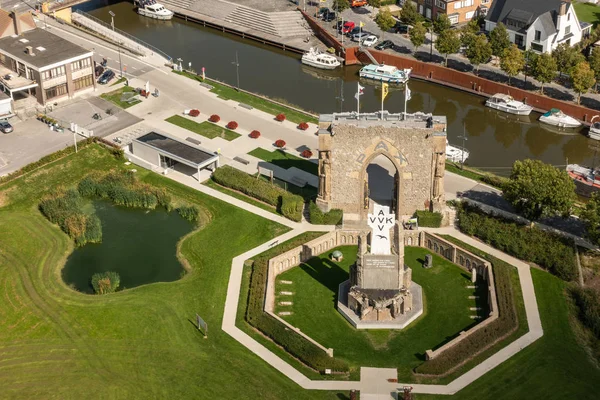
370, 40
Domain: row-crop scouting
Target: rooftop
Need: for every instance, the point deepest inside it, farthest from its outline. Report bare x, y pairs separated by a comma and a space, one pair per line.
176, 148
400, 120
521, 10
56, 49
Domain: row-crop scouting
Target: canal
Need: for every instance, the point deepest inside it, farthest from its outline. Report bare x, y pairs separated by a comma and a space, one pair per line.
495, 140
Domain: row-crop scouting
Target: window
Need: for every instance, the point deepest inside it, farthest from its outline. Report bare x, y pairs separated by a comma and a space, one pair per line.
56, 91
469, 15
538, 36
428, 2
420, 8
83, 82
568, 16
457, 5
3, 59
467, 3
80, 64
440, 4
428, 13
567, 30
453, 19
537, 47
53, 73
519, 40
485, 1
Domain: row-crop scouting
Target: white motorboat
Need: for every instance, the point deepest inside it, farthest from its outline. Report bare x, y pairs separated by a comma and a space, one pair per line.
505, 102
317, 59
385, 73
558, 118
594, 132
456, 154
152, 9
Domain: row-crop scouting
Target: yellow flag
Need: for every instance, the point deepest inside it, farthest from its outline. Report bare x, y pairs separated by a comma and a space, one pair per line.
361, 24
384, 91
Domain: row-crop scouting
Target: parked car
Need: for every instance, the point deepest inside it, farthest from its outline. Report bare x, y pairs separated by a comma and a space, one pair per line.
106, 77
328, 17
354, 31
358, 3
348, 27
321, 11
370, 40
358, 37
400, 28
386, 44
5, 127
99, 70
339, 25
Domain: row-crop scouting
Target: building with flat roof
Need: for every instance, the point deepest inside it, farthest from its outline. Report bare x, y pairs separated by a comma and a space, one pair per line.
36, 63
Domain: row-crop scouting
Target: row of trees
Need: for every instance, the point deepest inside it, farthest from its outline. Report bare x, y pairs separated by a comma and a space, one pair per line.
479, 49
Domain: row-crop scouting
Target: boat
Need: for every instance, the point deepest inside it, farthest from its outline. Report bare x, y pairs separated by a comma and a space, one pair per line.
152, 9
456, 154
558, 118
385, 73
505, 102
587, 180
317, 59
594, 132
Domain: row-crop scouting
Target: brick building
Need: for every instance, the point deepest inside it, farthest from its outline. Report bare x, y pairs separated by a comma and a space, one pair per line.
458, 11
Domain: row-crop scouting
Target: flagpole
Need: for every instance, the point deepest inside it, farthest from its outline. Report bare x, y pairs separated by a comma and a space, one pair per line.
406, 92
357, 99
382, 96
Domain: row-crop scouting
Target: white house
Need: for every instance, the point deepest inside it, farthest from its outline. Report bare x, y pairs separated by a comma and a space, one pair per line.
540, 25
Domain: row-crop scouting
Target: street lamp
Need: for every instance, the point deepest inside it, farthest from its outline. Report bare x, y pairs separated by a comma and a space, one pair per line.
430, 43
237, 70
464, 138
112, 23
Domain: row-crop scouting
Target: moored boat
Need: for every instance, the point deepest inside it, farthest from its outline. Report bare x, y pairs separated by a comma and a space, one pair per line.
594, 132
385, 73
506, 103
152, 9
587, 180
456, 154
317, 59
558, 118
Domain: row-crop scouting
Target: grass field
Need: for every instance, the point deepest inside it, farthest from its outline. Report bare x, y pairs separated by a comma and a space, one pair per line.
587, 12
315, 286
285, 160
115, 97
136, 344
206, 129
260, 103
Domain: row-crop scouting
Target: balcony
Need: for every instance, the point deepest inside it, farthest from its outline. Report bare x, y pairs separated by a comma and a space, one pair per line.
12, 82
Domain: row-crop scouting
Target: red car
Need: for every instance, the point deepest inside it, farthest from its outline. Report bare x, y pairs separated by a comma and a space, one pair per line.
348, 26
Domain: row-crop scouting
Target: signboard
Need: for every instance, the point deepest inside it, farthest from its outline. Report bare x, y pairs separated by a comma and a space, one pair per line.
379, 261
202, 325
380, 222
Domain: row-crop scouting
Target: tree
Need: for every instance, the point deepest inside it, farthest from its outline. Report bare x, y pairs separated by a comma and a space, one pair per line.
512, 61
448, 42
384, 20
566, 57
417, 35
374, 3
479, 51
499, 40
594, 60
441, 24
538, 190
469, 32
544, 69
591, 217
582, 78
409, 14
340, 5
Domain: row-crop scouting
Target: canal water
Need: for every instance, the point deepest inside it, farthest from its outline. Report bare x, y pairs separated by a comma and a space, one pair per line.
495, 140
139, 245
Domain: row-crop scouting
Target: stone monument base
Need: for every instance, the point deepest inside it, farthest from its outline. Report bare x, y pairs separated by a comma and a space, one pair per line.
386, 321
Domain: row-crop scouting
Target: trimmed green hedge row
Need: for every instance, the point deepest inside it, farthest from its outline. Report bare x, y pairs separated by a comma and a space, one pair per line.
428, 219
292, 342
587, 301
551, 251
318, 217
487, 336
290, 205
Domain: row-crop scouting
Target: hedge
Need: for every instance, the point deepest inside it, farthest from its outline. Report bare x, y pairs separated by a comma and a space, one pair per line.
318, 217
587, 301
486, 337
428, 219
291, 341
290, 205
546, 249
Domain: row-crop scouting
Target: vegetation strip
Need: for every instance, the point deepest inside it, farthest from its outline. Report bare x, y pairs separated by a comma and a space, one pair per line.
115, 97
206, 129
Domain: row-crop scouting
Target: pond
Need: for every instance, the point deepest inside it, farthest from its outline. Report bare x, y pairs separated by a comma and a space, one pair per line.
140, 245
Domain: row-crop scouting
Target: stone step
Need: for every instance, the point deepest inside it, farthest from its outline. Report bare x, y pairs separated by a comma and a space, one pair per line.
284, 313
473, 297
475, 316
284, 293
252, 24
285, 303
286, 282
474, 308
471, 287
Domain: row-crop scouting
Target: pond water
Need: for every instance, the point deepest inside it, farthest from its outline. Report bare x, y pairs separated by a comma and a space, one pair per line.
139, 245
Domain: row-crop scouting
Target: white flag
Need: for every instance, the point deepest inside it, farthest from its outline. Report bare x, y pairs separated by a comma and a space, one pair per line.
407, 93
360, 92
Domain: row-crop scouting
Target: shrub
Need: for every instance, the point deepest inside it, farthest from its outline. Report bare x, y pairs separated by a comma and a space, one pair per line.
190, 213
551, 251
255, 134
214, 118
241, 181
232, 125
318, 217
106, 282
307, 154
280, 117
587, 302
291, 341
428, 219
303, 126
292, 206
194, 113
280, 143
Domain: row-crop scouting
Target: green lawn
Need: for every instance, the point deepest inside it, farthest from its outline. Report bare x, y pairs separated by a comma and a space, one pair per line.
119, 81
115, 97
260, 103
206, 129
315, 286
240, 196
587, 12
554, 367
135, 344
285, 160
